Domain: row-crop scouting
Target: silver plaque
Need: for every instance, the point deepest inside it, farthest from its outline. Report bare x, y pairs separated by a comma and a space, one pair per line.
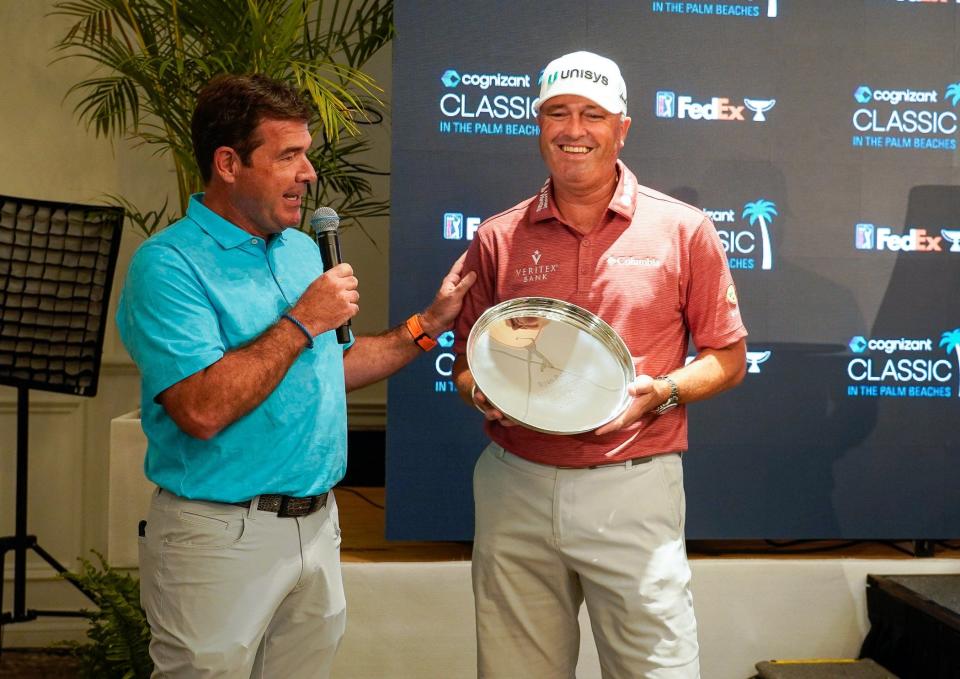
550, 365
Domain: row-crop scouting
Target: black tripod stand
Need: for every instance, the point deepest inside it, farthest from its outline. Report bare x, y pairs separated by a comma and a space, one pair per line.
20, 542
56, 267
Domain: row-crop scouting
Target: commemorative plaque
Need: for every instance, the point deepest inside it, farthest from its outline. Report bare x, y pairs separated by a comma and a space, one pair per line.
550, 365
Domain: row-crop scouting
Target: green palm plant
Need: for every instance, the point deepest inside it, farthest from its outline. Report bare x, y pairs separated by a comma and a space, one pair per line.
156, 55
764, 211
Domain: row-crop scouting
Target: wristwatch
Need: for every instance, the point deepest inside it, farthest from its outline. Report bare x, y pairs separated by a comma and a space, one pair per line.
673, 400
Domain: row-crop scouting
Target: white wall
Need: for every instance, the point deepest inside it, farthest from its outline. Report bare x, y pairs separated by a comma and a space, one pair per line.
415, 621
48, 155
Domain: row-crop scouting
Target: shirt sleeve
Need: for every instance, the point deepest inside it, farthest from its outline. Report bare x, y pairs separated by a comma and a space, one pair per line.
166, 319
481, 295
712, 310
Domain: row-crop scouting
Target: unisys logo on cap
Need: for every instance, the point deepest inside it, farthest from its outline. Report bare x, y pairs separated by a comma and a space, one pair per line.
584, 73
588, 75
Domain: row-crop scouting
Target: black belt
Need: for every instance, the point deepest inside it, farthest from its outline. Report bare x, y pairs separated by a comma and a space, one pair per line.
286, 505
643, 459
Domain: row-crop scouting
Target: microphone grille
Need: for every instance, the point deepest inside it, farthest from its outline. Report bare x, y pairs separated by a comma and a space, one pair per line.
324, 220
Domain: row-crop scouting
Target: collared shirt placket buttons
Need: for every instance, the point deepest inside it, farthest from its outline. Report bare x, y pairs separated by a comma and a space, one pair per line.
583, 278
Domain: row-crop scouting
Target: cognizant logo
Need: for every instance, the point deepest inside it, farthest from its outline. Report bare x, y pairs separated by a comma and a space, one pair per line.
881, 112
906, 367
445, 340
451, 78
443, 364
860, 344
479, 113
864, 95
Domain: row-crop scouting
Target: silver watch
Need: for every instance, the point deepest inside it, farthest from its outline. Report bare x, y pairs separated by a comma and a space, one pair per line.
673, 400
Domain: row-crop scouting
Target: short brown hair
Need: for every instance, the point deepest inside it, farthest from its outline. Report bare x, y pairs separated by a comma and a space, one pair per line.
230, 107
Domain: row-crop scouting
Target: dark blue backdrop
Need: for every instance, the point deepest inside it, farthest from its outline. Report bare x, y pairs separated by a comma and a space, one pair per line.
845, 424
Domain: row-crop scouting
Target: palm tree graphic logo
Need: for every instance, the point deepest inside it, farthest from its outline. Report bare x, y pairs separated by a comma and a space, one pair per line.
953, 93
950, 341
762, 211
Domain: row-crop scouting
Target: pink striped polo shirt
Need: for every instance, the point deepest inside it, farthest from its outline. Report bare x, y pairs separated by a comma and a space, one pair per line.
654, 269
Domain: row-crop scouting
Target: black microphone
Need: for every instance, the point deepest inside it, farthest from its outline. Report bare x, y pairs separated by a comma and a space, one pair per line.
326, 224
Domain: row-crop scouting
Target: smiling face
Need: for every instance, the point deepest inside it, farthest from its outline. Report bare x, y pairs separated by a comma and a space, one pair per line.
267, 193
580, 142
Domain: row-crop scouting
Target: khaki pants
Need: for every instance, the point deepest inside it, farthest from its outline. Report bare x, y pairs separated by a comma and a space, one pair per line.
236, 592
548, 539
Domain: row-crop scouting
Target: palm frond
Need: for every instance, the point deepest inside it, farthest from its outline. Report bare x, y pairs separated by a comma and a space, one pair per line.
110, 106
157, 54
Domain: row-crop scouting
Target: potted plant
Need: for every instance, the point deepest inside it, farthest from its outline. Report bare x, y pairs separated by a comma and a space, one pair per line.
157, 54
119, 637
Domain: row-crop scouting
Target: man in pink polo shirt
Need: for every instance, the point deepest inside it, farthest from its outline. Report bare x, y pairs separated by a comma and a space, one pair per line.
596, 517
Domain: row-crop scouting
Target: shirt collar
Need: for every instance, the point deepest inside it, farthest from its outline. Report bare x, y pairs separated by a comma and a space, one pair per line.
623, 202
227, 234
542, 208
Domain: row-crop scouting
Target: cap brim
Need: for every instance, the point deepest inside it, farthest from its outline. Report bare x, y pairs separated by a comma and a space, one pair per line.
609, 104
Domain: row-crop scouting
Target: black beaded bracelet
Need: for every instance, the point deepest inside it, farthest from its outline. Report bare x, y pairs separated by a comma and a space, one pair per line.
302, 327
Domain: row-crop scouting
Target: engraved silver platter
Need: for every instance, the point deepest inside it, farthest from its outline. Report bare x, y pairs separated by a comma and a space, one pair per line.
550, 365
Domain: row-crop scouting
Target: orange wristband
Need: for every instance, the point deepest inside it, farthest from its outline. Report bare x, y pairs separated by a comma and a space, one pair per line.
420, 338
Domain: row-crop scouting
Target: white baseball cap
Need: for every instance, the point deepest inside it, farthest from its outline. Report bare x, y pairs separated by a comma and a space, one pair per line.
588, 75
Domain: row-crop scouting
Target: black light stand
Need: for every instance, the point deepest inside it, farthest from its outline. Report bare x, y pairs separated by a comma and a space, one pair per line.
56, 268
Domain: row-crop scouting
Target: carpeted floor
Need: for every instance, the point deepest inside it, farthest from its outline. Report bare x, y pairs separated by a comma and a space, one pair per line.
34, 663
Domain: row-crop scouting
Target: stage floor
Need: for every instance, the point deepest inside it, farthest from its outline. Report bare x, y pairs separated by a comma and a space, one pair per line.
362, 521
411, 603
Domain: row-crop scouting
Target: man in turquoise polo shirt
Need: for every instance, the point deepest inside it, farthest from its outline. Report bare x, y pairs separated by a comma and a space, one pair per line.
230, 318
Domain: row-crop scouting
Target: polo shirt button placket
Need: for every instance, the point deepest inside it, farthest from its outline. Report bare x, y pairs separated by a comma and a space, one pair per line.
583, 282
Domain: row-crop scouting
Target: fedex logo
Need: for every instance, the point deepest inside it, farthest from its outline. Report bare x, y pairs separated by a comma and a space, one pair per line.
868, 237
719, 108
455, 227
915, 240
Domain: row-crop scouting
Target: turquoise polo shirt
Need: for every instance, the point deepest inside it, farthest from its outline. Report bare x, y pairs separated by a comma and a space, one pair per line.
197, 290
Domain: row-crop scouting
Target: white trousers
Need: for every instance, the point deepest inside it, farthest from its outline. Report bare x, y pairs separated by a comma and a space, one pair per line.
236, 592
547, 539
